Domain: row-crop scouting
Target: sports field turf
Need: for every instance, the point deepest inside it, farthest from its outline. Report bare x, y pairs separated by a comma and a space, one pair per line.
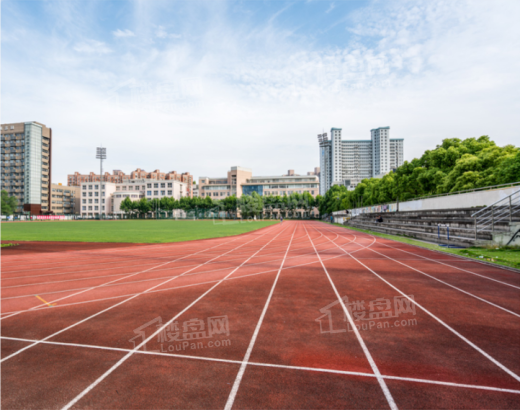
133, 231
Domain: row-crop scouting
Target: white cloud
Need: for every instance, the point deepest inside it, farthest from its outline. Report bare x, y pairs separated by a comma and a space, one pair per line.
123, 33
92, 47
236, 93
161, 32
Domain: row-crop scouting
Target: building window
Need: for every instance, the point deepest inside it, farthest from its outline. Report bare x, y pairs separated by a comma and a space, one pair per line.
170, 184
90, 187
148, 185
156, 185
163, 193
170, 192
156, 192
90, 208
149, 193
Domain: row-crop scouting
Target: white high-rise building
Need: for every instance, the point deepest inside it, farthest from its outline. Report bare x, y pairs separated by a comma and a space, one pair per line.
348, 162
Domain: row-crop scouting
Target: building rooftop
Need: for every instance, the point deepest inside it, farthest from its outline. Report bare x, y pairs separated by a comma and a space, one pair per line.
380, 128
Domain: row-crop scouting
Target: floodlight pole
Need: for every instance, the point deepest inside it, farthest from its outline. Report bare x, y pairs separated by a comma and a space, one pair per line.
101, 154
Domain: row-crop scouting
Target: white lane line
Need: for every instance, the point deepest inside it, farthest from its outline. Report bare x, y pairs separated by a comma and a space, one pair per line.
173, 288
163, 264
121, 274
451, 266
243, 365
97, 270
120, 303
278, 366
107, 283
112, 283
473, 345
443, 282
129, 354
450, 285
371, 361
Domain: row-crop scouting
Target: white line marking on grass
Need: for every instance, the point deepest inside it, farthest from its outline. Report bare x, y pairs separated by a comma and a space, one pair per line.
243, 365
371, 361
129, 354
272, 365
120, 303
473, 345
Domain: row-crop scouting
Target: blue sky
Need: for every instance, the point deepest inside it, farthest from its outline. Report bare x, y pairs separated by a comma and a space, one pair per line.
200, 86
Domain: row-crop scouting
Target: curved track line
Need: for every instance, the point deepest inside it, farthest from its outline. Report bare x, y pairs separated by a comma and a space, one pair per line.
120, 303
473, 345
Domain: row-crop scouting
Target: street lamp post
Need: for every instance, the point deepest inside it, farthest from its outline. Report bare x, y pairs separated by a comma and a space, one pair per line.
101, 154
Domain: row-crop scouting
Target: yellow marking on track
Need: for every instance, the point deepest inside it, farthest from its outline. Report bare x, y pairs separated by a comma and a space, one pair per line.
47, 303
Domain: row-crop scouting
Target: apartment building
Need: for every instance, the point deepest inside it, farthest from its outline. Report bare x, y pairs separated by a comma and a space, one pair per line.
65, 200
26, 163
348, 162
240, 181
119, 177
112, 194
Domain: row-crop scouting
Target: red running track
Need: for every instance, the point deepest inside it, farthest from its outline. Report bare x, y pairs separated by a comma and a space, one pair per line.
297, 315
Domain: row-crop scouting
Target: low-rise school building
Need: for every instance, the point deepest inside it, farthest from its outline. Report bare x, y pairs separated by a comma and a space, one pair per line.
106, 198
240, 181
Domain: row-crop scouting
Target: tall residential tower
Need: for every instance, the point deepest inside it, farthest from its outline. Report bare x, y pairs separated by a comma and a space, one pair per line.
348, 162
26, 165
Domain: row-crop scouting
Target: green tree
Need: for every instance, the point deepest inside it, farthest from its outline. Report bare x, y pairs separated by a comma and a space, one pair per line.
126, 205
143, 206
9, 203
251, 205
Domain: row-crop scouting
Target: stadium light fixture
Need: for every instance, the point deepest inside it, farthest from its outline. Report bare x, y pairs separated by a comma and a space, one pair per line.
101, 154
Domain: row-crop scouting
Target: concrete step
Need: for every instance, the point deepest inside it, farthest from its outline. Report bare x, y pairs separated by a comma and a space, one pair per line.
460, 224
454, 231
463, 241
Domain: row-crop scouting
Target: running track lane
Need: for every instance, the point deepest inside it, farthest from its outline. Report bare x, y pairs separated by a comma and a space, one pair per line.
291, 364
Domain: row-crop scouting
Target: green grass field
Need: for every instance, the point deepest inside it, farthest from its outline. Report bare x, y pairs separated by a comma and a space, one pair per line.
133, 231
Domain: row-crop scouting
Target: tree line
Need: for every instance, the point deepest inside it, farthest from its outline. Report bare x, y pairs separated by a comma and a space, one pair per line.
9, 203
254, 205
455, 165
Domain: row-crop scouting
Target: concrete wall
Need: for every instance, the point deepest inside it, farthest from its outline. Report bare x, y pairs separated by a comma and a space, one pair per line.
468, 200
